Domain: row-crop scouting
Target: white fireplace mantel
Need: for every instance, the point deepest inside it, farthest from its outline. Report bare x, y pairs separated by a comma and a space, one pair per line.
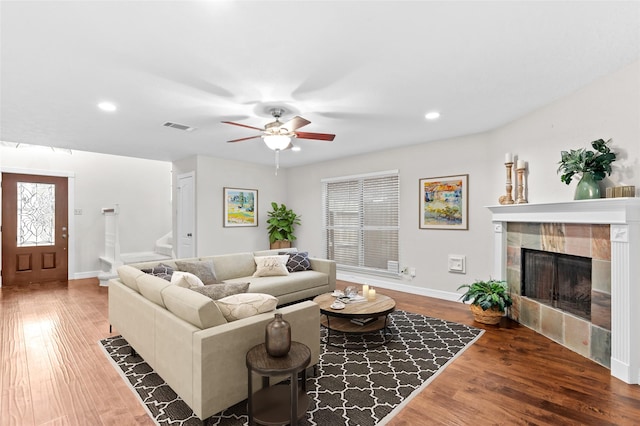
603, 210
623, 214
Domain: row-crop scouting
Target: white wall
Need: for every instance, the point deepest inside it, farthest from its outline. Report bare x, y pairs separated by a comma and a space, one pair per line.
426, 250
141, 187
608, 108
214, 174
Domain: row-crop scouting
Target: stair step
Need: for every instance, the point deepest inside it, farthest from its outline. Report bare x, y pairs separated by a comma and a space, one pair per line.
164, 249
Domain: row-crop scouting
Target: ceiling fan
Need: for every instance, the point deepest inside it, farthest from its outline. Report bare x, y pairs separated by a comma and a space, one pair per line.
278, 135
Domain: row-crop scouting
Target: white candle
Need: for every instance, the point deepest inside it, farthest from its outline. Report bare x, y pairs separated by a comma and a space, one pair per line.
365, 291
520, 164
508, 158
372, 294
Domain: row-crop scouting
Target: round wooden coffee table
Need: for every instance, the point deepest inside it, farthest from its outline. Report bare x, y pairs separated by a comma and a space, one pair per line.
340, 320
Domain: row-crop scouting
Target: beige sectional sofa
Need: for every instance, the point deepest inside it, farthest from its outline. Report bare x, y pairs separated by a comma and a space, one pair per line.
185, 338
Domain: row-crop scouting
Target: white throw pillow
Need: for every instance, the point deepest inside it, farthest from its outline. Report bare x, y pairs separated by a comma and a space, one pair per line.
186, 279
271, 266
245, 305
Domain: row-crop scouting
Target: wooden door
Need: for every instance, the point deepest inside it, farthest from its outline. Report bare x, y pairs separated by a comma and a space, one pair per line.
34, 229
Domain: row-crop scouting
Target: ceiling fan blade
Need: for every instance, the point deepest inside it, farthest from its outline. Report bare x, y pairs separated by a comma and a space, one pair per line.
244, 139
243, 125
295, 123
317, 136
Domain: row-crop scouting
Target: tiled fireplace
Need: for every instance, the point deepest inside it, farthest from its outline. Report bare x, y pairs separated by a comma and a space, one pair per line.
590, 337
605, 232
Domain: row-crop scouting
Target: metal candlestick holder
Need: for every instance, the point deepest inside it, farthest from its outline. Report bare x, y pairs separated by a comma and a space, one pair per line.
521, 199
507, 199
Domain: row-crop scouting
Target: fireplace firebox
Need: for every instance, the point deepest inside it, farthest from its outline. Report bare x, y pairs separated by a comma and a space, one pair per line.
559, 280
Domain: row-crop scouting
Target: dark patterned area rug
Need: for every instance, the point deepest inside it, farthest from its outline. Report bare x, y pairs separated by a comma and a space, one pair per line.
352, 387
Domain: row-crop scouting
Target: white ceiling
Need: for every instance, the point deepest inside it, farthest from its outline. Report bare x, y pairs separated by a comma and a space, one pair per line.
367, 71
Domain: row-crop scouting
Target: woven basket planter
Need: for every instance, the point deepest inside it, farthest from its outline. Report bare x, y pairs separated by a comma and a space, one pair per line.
280, 244
490, 316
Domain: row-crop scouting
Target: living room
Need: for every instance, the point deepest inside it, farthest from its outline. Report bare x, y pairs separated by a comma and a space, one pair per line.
538, 137
608, 107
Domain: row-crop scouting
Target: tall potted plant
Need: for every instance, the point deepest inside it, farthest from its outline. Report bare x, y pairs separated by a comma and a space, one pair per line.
489, 300
592, 165
281, 224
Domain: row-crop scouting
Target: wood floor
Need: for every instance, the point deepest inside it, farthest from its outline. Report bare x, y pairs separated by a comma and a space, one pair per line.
52, 371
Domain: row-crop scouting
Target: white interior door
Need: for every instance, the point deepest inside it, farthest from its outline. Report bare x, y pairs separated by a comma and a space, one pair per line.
186, 213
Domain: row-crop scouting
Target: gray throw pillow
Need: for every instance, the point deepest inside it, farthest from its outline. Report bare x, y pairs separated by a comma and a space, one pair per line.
162, 271
218, 291
202, 269
298, 261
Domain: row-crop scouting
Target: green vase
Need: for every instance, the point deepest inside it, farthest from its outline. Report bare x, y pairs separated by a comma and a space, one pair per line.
587, 188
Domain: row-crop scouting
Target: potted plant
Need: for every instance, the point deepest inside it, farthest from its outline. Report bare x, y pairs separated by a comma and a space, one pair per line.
489, 300
281, 226
592, 165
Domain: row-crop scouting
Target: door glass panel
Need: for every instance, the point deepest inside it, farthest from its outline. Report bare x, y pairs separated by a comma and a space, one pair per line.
36, 214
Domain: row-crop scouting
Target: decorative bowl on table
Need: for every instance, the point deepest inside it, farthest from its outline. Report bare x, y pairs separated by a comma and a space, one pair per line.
351, 291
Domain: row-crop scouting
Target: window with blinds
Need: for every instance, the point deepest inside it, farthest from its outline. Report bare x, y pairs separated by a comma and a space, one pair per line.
361, 224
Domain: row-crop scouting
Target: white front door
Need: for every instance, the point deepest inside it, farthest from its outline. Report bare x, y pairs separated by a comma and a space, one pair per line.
186, 213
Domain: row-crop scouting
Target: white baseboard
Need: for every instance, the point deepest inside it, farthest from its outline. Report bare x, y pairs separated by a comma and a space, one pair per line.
399, 286
83, 275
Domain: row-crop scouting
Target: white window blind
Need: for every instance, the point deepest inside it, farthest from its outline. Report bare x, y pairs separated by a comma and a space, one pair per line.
361, 223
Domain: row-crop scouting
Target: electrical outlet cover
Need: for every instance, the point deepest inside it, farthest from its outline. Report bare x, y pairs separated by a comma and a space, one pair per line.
457, 263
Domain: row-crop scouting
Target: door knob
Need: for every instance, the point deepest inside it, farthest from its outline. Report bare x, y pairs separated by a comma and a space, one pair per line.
64, 235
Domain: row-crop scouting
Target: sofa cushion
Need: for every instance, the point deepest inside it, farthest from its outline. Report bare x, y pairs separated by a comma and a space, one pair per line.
292, 283
233, 265
128, 275
298, 261
161, 271
246, 305
186, 280
152, 264
192, 307
151, 287
275, 252
218, 291
271, 266
203, 269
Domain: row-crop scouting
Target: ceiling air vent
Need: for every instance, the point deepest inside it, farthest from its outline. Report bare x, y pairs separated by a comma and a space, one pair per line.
179, 126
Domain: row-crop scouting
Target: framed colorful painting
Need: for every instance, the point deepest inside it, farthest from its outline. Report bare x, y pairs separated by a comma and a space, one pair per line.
240, 207
444, 202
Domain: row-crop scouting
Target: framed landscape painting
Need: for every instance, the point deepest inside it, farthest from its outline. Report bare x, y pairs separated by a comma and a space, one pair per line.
444, 202
240, 207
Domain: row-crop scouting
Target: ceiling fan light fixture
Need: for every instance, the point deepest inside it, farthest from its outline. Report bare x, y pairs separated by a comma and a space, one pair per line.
277, 142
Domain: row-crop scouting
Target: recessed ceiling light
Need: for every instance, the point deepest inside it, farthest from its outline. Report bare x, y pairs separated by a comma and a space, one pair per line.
107, 106
432, 115
295, 148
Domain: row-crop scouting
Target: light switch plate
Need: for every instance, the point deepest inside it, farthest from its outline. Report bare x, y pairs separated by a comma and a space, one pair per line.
457, 263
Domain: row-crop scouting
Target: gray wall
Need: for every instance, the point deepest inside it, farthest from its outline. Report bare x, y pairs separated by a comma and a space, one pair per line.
608, 108
142, 188
214, 174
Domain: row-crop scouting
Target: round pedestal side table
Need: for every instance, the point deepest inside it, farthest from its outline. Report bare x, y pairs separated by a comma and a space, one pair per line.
280, 404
